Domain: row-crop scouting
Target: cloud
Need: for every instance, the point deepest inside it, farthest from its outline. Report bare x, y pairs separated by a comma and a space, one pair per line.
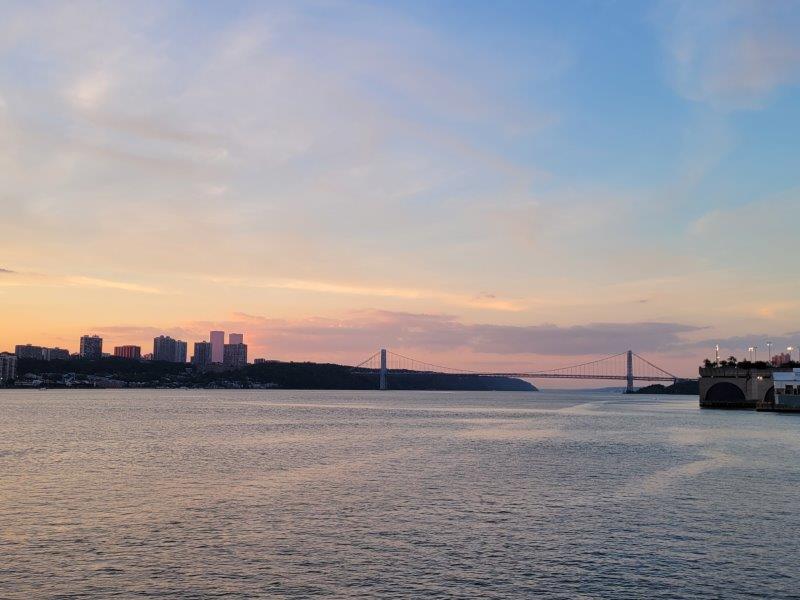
483, 300
323, 128
720, 233
94, 282
144, 333
26, 279
367, 330
731, 54
739, 344
90, 91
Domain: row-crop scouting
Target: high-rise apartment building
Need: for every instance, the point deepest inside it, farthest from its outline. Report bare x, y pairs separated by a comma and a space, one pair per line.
132, 352
236, 338
8, 367
235, 356
217, 346
203, 352
181, 351
168, 349
91, 347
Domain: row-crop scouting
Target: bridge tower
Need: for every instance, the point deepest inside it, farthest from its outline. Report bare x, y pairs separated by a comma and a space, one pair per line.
383, 370
629, 387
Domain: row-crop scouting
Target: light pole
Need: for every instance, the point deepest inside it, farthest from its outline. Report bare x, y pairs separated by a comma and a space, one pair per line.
750, 353
769, 351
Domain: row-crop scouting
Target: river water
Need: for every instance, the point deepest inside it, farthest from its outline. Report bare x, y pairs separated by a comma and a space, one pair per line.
212, 494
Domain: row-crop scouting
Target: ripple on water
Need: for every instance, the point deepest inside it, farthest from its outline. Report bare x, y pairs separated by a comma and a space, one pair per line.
392, 495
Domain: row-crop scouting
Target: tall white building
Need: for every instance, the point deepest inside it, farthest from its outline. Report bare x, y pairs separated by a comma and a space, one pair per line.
217, 346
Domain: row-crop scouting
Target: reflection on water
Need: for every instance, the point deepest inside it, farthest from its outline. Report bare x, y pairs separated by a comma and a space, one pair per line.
344, 494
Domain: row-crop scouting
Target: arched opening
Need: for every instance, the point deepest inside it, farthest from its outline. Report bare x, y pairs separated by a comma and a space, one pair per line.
769, 397
725, 392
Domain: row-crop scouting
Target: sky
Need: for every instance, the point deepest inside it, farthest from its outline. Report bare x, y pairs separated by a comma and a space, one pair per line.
489, 185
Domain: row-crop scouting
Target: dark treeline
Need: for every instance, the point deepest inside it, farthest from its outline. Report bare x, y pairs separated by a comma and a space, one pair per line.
286, 375
747, 364
689, 387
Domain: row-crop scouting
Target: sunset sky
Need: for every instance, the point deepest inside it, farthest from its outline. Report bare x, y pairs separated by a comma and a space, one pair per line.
497, 185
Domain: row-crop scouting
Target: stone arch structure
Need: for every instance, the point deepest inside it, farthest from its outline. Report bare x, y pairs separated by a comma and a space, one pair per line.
724, 391
769, 397
726, 394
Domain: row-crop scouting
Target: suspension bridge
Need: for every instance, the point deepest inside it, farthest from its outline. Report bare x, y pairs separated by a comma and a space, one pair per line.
625, 366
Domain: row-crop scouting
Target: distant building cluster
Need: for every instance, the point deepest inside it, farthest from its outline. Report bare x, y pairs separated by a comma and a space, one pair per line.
784, 358
232, 355
213, 355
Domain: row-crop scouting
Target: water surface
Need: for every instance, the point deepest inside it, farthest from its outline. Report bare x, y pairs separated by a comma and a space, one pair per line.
206, 494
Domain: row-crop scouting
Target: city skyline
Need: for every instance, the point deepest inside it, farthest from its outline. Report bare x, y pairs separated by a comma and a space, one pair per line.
454, 181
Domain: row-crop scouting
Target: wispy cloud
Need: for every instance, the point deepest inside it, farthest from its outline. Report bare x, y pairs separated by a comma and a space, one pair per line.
483, 300
441, 333
27, 279
731, 54
110, 284
738, 344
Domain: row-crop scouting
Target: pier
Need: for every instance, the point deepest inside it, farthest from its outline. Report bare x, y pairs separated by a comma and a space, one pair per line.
737, 388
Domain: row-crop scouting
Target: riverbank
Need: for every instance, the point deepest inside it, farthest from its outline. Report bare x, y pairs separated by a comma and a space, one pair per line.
124, 373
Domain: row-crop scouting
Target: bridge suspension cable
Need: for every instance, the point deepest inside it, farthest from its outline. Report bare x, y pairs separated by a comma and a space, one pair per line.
627, 366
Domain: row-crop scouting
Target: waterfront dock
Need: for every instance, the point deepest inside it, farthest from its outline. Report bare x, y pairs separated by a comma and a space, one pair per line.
741, 388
